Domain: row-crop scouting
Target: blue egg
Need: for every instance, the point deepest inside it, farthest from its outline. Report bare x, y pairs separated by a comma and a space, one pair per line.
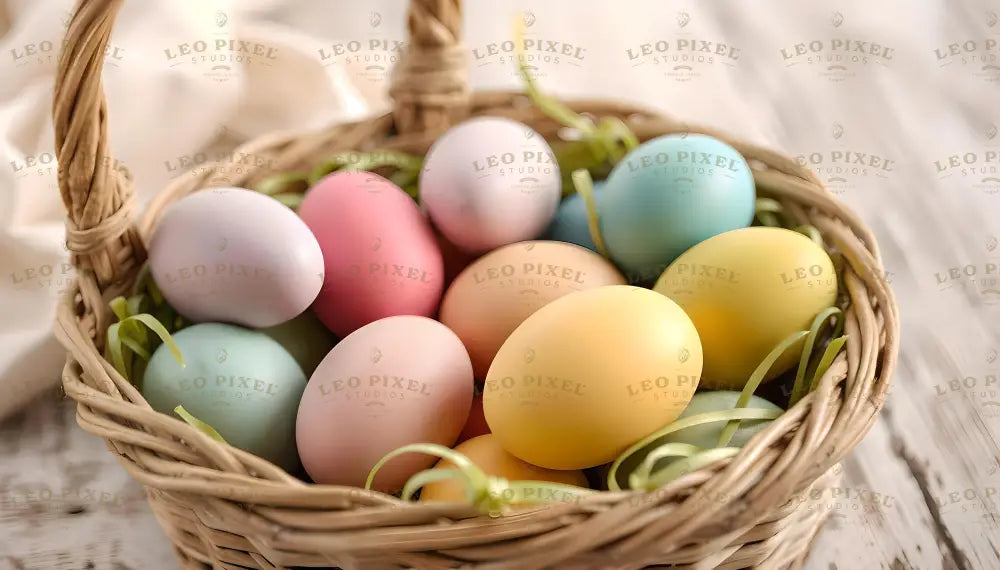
570, 223
669, 194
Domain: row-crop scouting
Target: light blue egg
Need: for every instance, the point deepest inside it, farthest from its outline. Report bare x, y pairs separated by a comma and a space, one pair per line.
239, 381
667, 195
570, 223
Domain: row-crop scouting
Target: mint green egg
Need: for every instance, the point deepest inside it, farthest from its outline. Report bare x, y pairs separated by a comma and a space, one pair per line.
707, 435
241, 382
305, 338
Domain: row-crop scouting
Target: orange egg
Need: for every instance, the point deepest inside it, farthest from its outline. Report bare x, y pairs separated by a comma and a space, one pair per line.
485, 452
494, 294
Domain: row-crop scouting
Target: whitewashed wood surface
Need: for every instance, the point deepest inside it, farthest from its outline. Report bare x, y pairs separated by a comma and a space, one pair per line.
932, 462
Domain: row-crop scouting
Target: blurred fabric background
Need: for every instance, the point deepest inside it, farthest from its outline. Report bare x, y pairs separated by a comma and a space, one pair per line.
893, 103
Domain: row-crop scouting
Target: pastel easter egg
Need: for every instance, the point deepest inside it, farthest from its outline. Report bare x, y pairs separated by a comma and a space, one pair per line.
380, 252
571, 223
746, 291
705, 436
237, 256
486, 453
396, 381
670, 193
590, 374
240, 382
494, 294
305, 338
490, 181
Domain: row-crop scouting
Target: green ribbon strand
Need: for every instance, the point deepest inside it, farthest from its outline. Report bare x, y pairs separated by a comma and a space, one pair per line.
826, 360
696, 420
677, 469
129, 337
283, 183
756, 378
768, 212
585, 187
290, 188
800, 388
200, 425
493, 496
606, 141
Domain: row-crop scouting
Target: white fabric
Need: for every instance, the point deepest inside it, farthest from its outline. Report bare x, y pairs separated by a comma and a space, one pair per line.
912, 105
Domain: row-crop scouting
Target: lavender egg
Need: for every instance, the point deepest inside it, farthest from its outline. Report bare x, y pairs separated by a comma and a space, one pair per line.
490, 181
235, 256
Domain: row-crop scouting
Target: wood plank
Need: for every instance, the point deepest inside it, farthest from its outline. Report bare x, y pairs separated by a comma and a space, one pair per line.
65, 502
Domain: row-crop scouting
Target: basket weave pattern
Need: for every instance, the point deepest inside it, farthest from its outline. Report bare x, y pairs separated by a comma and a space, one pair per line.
225, 508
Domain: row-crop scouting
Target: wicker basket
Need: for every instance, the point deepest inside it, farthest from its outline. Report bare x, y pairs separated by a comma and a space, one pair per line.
224, 508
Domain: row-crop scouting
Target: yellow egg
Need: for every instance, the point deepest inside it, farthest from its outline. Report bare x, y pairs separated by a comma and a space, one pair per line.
591, 373
486, 453
747, 290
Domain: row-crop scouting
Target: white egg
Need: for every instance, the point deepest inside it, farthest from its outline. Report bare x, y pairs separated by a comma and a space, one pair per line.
490, 181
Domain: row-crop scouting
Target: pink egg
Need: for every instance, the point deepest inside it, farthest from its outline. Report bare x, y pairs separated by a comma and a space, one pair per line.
235, 256
393, 382
381, 257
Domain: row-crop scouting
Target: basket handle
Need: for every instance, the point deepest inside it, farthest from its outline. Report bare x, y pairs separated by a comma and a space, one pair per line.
429, 89
101, 234
430, 86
